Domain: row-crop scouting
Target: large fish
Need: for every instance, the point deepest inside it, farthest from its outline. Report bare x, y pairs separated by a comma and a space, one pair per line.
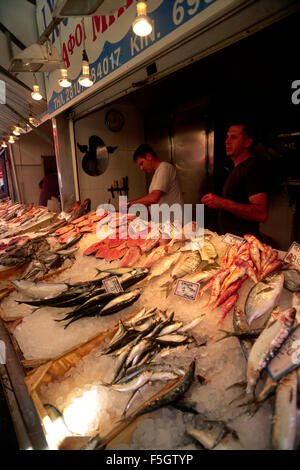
263, 296
163, 265
122, 301
266, 345
285, 419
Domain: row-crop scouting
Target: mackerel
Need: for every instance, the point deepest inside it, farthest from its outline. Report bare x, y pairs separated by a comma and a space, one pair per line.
40, 290
122, 301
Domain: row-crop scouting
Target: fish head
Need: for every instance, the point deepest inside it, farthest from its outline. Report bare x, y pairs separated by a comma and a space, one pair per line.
288, 316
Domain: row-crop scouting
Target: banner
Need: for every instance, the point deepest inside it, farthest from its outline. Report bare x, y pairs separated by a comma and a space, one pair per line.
110, 43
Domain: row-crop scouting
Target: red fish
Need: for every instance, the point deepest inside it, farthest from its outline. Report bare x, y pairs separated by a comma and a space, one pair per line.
232, 289
132, 256
227, 306
91, 250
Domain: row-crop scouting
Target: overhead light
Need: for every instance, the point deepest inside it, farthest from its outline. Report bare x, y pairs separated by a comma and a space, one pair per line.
64, 81
16, 130
4, 144
35, 58
85, 79
35, 94
65, 8
142, 24
11, 139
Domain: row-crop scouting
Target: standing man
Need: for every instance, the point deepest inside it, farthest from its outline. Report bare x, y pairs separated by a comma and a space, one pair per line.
164, 187
244, 201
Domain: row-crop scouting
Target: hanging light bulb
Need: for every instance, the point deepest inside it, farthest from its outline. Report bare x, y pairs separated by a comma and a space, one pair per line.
36, 95
85, 79
11, 139
64, 81
142, 24
16, 130
4, 144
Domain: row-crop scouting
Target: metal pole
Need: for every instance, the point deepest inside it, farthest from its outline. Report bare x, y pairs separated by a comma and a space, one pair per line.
14, 172
74, 161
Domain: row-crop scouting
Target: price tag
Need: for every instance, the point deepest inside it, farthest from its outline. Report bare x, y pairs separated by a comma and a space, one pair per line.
230, 239
187, 290
288, 356
112, 284
293, 254
64, 215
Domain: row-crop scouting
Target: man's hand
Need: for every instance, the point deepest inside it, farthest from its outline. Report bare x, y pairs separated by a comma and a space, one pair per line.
212, 201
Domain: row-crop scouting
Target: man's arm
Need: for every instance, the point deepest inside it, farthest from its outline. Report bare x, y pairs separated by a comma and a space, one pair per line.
257, 209
151, 198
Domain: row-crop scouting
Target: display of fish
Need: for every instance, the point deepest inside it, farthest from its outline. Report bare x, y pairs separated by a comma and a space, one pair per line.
163, 265
263, 296
122, 301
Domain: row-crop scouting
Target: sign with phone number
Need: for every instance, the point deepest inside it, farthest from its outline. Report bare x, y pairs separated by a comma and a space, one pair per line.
109, 40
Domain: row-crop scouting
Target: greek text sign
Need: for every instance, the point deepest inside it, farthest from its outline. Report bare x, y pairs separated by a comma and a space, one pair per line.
109, 41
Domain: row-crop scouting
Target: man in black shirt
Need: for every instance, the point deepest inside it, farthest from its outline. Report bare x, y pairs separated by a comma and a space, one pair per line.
244, 201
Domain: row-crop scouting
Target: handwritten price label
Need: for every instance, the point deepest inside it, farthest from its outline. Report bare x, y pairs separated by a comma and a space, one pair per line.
288, 356
187, 290
293, 254
112, 284
230, 239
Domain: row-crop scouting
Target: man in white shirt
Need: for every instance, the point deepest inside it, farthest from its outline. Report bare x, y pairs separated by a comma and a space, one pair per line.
164, 187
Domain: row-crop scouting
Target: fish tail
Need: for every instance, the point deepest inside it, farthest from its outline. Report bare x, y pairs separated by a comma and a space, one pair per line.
35, 309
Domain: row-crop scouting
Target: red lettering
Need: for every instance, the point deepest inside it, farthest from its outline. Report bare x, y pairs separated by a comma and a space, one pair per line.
78, 35
71, 43
65, 55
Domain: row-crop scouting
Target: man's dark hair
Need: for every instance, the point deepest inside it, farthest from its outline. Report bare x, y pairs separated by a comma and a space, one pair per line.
142, 151
248, 127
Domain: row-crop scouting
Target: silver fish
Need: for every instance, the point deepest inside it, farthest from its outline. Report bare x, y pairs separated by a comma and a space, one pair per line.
120, 302
167, 330
263, 296
137, 350
188, 265
134, 384
163, 265
171, 339
264, 348
189, 326
40, 290
284, 427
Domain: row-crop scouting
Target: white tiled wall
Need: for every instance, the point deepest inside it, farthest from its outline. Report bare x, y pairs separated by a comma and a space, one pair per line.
120, 162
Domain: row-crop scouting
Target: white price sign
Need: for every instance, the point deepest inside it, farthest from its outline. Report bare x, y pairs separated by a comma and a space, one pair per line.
112, 284
293, 254
230, 239
187, 290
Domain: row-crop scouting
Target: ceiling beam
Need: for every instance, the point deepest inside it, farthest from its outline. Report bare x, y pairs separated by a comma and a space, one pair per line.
13, 38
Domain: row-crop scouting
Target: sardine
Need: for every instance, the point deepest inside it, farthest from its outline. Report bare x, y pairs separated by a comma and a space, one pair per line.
263, 296
40, 290
135, 353
284, 427
266, 345
189, 326
134, 384
167, 330
171, 340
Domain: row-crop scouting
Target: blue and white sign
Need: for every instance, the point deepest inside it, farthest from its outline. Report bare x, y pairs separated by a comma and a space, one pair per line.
110, 43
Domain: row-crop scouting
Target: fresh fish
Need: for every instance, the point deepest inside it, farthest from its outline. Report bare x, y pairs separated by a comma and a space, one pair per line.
116, 271
135, 353
169, 329
284, 427
171, 340
266, 345
203, 275
208, 251
71, 241
263, 296
134, 384
68, 252
227, 306
173, 394
210, 436
188, 265
163, 265
56, 416
189, 326
122, 301
291, 278
40, 290
240, 324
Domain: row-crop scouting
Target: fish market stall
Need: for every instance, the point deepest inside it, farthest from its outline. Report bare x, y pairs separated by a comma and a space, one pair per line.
178, 346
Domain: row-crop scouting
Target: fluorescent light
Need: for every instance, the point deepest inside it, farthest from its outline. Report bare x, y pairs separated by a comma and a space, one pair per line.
64, 80
142, 24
